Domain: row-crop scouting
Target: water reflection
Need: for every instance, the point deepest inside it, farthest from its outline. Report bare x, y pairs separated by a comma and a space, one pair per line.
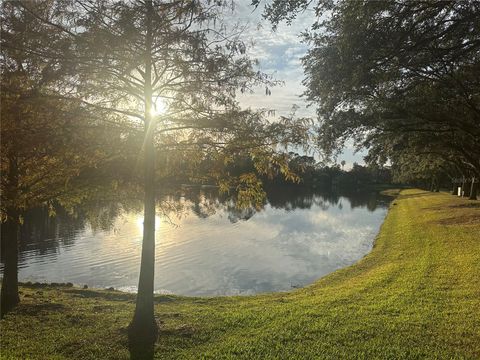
205, 244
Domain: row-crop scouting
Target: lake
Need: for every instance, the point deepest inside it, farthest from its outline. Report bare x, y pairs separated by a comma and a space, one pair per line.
205, 245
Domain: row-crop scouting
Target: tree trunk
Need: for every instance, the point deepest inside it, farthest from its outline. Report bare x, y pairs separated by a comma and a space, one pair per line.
9, 297
467, 188
143, 328
473, 189
454, 190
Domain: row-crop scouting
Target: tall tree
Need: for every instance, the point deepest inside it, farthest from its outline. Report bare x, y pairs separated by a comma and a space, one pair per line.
46, 140
173, 67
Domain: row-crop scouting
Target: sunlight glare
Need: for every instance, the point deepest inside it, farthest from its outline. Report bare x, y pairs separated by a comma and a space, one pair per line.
159, 107
139, 223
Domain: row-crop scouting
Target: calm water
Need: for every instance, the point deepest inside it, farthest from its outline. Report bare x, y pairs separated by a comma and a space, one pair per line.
205, 246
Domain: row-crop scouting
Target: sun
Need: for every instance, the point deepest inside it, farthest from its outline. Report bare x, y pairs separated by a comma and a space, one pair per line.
159, 107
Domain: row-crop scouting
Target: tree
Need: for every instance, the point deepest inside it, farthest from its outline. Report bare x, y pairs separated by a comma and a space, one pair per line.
47, 141
172, 67
387, 72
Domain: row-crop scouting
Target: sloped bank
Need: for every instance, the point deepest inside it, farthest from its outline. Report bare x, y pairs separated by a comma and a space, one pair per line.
416, 295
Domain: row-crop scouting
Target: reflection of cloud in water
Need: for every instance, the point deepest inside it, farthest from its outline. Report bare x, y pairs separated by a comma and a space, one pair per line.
272, 251
298, 239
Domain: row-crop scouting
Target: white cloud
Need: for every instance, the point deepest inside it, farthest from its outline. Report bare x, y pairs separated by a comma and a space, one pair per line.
279, 53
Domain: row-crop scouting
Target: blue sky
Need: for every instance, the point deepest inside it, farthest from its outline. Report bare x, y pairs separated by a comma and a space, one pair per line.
279, 53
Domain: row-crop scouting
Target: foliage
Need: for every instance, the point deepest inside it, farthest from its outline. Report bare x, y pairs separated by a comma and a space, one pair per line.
320, 176
47, 139
283, 10
198, 63
397, 77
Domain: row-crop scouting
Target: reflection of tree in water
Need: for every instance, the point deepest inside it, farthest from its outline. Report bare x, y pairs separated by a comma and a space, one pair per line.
367, 199
292, 198
206, 202
45, 234
236, 214
45, 231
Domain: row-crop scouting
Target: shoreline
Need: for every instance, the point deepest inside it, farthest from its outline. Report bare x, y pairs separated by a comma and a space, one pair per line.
321, 247
415, 294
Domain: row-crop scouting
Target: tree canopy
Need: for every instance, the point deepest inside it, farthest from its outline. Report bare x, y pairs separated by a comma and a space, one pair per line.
399, 77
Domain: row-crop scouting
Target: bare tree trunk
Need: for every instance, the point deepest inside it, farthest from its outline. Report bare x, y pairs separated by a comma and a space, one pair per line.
473, 189
9, 298
143, 328
436, 186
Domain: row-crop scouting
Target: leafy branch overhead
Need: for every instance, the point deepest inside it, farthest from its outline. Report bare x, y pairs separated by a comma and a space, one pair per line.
399, 77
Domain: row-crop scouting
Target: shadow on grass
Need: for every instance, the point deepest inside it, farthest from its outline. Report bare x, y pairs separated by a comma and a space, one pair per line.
36, 309
471, 205
461, 209
141, 350
117, 295
183, 330
107, 295
141, 341
469, 219
417, 194
142, 346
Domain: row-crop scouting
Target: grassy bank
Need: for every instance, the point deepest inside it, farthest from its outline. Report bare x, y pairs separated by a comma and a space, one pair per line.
416, 295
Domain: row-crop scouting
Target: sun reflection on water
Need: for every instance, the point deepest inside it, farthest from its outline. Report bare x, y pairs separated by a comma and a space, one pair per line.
139, 223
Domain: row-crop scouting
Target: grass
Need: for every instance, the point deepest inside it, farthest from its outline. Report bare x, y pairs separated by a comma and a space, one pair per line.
416, 295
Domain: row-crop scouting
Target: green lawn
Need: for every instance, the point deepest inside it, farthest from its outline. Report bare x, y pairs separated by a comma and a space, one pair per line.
416, 295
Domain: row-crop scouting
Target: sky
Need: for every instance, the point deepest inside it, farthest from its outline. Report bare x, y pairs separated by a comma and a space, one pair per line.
279, 53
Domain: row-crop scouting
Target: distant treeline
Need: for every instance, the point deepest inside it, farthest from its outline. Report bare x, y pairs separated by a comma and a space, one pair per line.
316, 175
